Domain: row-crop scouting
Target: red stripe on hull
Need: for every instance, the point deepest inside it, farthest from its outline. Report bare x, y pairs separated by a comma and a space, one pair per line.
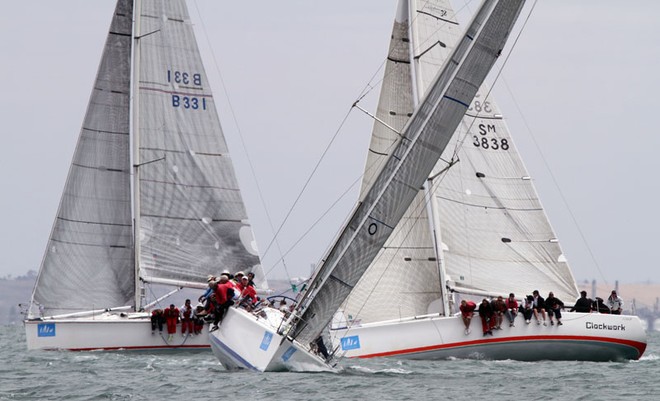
641, 347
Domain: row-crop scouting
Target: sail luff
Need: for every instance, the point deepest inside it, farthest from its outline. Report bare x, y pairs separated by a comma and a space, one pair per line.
425, 138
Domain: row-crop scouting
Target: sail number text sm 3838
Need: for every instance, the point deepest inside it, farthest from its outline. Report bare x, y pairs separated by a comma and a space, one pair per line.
487, 140
186, 101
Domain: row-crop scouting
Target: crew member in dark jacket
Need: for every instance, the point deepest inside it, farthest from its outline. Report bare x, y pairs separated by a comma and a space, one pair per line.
487, 316
583, 304
554, 306
539, 307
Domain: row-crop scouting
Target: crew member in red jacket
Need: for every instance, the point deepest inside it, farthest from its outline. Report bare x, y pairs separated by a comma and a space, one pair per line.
467, 312
171, 315
224, 294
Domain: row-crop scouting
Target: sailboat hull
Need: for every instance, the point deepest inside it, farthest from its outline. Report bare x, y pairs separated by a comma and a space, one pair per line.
246, 341
108, 331
584, 337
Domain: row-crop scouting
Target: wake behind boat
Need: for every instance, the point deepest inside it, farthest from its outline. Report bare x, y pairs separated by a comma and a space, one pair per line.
477, 230
269, 341
151, 197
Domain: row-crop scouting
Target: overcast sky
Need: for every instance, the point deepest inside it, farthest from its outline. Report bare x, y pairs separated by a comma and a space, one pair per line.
581, 86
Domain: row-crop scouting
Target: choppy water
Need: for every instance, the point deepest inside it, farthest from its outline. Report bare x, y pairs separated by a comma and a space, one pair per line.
198, 376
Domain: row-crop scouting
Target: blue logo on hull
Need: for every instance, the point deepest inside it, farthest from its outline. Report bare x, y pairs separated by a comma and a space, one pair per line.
46, 330
265, 343
349, 343
288, 353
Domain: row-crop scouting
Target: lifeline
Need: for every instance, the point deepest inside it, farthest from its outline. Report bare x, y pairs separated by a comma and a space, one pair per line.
603, 326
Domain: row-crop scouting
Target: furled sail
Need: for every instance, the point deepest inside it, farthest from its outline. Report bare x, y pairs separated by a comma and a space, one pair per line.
88, 262
192, 218
483, 198
403, 174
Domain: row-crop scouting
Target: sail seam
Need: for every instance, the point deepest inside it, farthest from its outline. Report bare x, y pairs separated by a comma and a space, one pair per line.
191, 186
175, 92
191, 219
89, 244
94, 222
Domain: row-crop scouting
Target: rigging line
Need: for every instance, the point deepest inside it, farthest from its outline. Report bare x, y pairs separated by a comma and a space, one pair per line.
369, 86
240, 134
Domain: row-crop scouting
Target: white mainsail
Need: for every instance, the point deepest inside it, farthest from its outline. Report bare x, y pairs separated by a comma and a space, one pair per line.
480, 194
408, 165
191, 217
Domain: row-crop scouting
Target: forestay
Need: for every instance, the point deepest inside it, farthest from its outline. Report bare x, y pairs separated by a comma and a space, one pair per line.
485, 197
425, 138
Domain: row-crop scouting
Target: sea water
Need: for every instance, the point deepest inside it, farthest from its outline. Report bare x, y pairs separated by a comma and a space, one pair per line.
186, 376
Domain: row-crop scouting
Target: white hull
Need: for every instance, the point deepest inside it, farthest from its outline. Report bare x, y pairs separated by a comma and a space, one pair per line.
109, 331
245, 341
583, 336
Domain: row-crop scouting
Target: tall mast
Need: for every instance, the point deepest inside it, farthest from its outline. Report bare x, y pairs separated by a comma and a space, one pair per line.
431, 208
137, 7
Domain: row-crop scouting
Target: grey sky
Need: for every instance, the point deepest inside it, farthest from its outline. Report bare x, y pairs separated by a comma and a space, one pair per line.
583, 74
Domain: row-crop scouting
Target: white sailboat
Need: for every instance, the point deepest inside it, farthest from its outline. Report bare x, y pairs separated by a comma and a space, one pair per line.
477, 230
151, 197
267, 341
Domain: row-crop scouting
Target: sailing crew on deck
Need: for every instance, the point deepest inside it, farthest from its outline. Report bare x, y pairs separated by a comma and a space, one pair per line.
186, 318
248, 295
171, 315
528, 309
554, 306
467, 312
583, 304
539, 307
223, 297
198, 319
511, 309
499, 308
157, 320
250, 277
615, 303
487, 316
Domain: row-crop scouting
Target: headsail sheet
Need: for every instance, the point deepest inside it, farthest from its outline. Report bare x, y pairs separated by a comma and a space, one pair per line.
192, 218
88, 261
425, 138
